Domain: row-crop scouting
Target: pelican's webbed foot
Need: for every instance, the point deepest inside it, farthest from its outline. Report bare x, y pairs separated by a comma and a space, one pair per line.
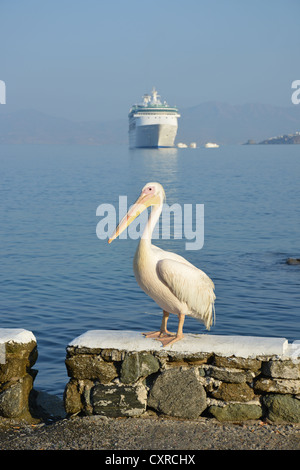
158, 334
169, 340
165, 337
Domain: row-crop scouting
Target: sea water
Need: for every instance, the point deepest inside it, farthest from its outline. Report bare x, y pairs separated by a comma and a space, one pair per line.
58, 279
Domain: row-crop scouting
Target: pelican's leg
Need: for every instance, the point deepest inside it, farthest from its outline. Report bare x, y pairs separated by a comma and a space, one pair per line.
163, 329
167, 341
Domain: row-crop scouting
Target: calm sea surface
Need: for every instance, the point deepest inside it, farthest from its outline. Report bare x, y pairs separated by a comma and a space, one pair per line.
59, 280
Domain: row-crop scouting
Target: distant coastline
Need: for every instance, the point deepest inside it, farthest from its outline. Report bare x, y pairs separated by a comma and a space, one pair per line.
281, 139
207, 122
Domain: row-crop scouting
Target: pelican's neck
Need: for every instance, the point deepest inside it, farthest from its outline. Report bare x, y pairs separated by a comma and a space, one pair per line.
152, 221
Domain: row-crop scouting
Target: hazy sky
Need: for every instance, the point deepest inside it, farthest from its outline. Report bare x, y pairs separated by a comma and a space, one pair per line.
92, 59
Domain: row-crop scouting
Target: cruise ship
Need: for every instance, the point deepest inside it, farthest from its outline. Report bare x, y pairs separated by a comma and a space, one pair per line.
152, 123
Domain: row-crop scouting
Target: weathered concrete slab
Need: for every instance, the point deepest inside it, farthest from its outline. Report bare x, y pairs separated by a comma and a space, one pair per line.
240, 346
16, 335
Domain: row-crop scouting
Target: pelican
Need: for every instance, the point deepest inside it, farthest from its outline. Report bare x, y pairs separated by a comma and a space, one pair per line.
176, 285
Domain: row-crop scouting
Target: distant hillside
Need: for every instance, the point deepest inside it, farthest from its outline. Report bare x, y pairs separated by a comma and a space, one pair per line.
208, 122
34, 127
228, 124
283, 139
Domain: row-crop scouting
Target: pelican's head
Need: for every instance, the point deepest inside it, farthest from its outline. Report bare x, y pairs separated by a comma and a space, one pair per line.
152, 194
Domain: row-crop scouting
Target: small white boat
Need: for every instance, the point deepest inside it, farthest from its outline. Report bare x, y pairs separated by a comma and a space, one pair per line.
181, 145
211, 145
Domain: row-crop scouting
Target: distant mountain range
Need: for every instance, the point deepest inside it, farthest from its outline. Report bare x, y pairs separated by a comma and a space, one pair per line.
208, 122
34, 127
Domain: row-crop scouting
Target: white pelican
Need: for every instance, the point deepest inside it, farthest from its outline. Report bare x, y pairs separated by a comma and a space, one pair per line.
171, 281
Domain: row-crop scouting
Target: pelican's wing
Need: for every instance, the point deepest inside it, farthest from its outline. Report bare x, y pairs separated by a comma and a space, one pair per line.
191, 286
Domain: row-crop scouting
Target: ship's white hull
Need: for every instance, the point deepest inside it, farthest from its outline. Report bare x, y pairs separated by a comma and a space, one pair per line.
152, 135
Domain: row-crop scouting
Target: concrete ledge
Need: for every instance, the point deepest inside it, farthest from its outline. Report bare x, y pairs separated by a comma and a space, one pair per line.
240, 346
16, 335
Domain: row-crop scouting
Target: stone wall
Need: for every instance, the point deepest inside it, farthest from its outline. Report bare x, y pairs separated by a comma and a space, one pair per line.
230, 378
121, 373
18, 353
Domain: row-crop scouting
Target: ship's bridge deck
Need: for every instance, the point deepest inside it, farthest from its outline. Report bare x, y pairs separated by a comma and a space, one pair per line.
154, 109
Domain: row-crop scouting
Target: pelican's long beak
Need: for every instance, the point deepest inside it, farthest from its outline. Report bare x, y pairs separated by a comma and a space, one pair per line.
144, 201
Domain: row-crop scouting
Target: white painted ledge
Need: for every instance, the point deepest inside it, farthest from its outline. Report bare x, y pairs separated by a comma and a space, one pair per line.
239, 346
16, 335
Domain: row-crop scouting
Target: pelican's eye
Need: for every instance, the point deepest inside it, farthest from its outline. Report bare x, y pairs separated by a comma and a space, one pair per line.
149, 189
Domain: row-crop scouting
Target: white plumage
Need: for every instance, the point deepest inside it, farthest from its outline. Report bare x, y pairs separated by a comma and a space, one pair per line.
191, 287
176, 285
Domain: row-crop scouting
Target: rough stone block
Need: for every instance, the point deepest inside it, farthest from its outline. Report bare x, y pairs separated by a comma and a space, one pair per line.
196, 358
236, 412
238, 363
112, 355
229, 374
138, 365
178, 393
13, 368
72, 398
14, 398
233, 392
116, 400
91, 367
282, 408
281, 369
264, 385
19, 358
